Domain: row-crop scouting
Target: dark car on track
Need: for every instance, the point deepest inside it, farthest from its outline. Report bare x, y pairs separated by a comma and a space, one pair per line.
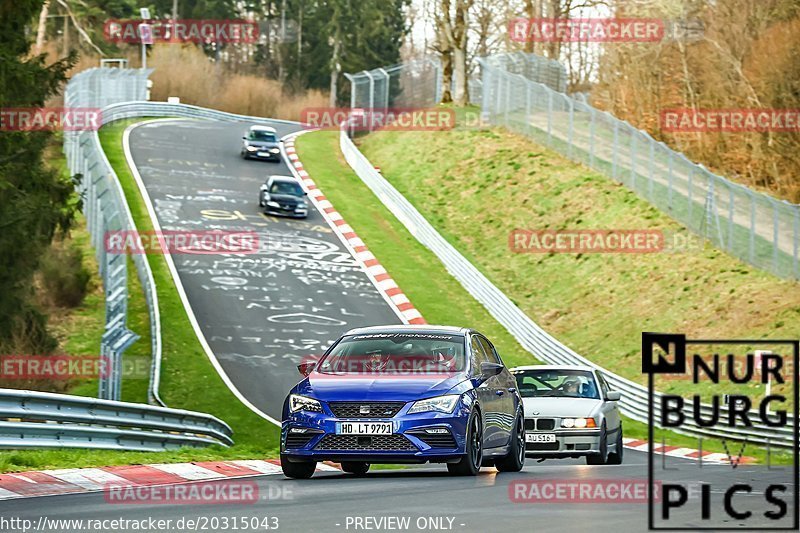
283, 195
404, 394
261, 142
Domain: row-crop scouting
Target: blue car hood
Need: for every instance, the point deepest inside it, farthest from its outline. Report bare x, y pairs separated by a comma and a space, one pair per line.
327, 387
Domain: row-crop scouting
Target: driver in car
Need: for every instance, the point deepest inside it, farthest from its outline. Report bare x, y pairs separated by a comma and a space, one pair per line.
570, 388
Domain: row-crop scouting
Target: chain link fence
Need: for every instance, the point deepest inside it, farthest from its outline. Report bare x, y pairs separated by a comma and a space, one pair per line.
106, 211
527, 94
749, 225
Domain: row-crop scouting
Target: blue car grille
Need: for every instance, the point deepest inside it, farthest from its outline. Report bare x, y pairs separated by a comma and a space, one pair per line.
383, 443
365, 409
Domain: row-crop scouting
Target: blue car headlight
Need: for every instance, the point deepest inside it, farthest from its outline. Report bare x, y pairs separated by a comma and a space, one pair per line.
303, 403
442, 404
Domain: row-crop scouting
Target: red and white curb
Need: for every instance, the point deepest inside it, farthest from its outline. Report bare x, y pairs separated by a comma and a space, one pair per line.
382, 280
82, 480
687, 453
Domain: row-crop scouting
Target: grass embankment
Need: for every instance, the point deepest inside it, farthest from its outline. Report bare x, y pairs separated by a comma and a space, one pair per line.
188, 380
477, 186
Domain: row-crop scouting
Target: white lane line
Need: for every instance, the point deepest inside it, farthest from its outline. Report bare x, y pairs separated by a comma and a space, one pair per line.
259, 466
87, 478
8, 495
189, 471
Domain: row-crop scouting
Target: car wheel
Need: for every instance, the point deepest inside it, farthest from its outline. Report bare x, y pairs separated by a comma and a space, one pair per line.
260, 200
616, 457
355, 467
602, 457
298, 470
515, 460
470, 462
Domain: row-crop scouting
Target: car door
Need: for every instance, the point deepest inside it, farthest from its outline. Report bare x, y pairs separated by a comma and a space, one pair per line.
610, 409
504, 386
488, 399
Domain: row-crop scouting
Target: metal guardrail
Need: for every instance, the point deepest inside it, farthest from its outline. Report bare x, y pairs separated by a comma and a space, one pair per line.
30, 419
532, 337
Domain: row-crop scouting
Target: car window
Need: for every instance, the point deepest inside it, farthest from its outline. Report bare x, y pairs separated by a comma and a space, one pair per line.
286, 187
478, 356
491, 353
556, 382
262, 136
603, 385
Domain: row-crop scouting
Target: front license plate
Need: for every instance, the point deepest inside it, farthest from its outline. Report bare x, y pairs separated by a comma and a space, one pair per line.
263, 154
364, 428
540, 437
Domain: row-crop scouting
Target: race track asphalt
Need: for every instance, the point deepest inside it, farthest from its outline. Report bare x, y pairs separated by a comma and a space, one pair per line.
260, 313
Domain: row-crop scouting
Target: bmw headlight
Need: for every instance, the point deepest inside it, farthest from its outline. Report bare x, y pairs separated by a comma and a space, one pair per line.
578, 423
276, 205
274, 151
303, 403
442, 404
251, 148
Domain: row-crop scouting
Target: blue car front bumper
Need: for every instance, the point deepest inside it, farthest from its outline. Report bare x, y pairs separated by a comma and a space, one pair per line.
416, 438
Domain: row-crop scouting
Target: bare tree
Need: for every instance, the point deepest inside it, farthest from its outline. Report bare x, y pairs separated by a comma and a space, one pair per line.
456, 32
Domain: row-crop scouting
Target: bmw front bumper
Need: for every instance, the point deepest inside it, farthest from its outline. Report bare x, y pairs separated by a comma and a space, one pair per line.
416, 438
567, 442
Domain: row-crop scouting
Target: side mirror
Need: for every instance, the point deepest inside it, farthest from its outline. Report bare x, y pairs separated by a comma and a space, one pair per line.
613, 395
490, 369
244, 137
305, 194
306, 368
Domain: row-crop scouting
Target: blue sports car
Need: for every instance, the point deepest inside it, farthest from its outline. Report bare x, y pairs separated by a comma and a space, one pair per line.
404, 394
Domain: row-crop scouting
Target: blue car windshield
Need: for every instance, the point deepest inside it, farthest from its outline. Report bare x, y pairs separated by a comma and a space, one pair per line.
396, 354
556, 382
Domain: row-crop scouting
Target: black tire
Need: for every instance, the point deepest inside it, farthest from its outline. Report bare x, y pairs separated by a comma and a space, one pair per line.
355, 467
298, 470
616, 457
470, 462
515, 460
602, 457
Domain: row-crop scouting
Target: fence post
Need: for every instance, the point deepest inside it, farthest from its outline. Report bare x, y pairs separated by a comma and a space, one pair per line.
571, 134
752, 227
371, 109
691, 190
796, 237
634, 142
591, 136
775, 236
550, 117
730, 217
528, 118
615, 150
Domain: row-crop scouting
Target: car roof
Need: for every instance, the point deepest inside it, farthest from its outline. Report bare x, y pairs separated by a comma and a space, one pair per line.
554, 367
277, 177
262, 128
409, 328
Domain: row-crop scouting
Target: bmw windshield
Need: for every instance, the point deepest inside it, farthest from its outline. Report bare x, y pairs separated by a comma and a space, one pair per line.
396, 353
262, 136
560, 382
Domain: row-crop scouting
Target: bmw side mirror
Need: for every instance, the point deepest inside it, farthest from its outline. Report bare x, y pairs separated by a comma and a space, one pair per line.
306, 368
613, 395
490, 369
